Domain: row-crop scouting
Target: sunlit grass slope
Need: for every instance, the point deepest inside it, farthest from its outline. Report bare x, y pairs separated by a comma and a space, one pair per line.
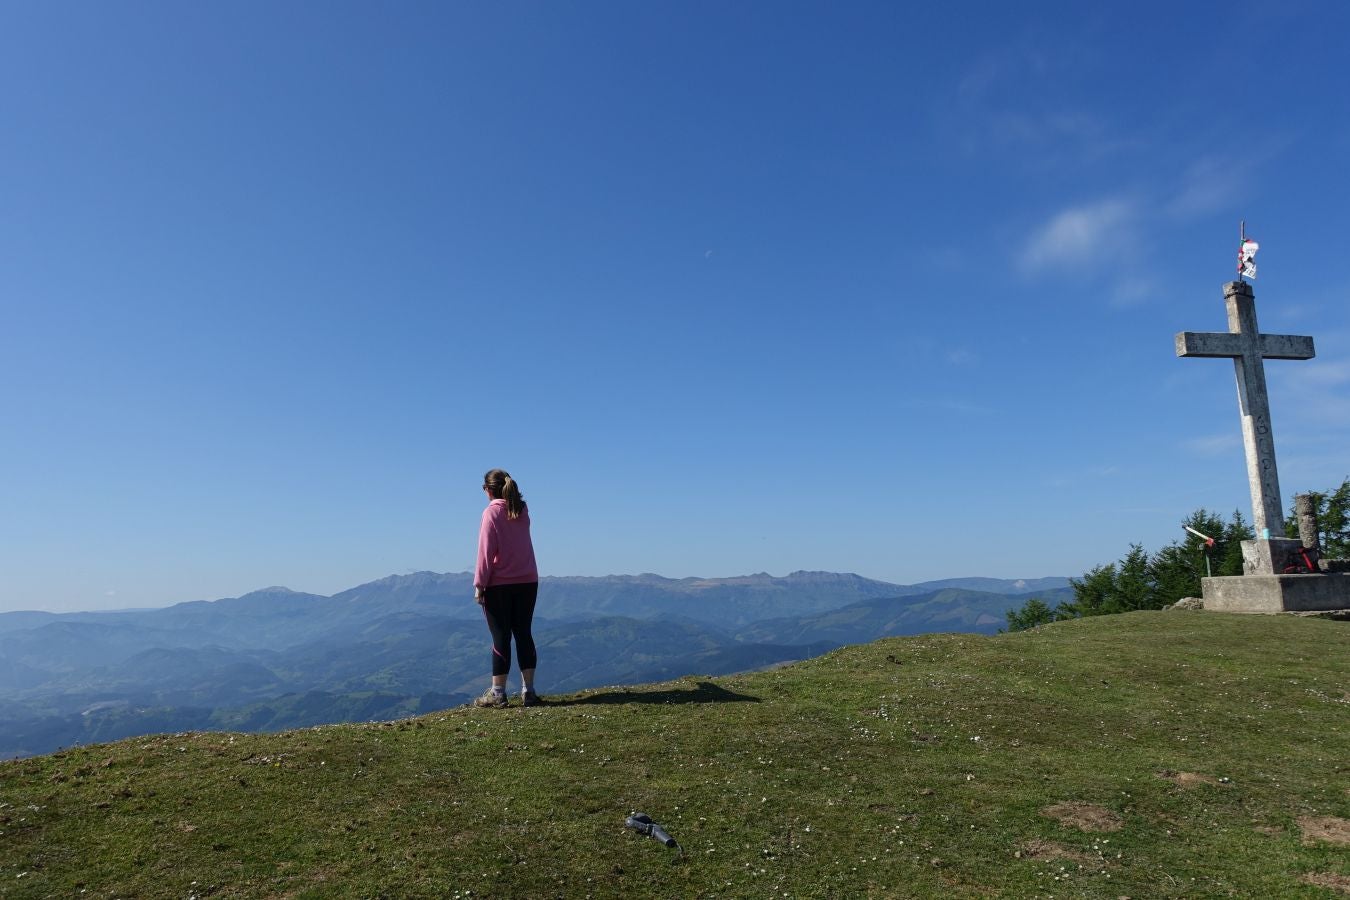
1144, 755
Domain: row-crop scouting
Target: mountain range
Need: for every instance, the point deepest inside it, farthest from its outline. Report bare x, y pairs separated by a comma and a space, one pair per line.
407, 644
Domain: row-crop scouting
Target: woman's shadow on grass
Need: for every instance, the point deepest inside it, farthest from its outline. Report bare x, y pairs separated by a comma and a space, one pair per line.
701, 692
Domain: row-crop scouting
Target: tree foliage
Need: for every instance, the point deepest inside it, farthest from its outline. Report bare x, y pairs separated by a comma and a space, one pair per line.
1031, 614
1333, 521
1143, 581
1178, 567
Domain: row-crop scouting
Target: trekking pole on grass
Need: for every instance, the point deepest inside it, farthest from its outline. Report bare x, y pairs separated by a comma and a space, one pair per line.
643, 824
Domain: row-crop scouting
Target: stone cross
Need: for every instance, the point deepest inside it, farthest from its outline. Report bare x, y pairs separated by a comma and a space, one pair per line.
1248, 347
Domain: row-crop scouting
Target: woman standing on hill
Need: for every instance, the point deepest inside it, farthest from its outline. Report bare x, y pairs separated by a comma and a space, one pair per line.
506, 584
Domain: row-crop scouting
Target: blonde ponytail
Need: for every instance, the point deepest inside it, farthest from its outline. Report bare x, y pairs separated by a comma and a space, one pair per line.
501, 486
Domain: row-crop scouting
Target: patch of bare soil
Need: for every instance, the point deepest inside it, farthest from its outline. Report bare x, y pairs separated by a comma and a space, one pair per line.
1329, 880
1330, 829
1052, 850
1084, 816
1190, 779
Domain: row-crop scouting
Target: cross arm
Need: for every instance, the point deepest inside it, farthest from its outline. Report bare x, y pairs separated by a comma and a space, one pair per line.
1225, 343
1287, 346
1209, 343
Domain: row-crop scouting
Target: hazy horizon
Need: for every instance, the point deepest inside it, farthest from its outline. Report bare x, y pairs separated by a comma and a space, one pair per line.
264, 588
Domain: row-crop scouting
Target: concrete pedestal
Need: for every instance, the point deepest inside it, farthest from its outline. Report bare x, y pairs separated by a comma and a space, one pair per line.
1271, 556
1277, 593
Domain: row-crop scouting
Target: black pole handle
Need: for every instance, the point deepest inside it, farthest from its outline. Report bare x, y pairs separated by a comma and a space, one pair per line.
643, 824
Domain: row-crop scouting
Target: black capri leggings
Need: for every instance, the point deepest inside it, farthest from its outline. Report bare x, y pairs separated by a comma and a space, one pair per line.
509, 610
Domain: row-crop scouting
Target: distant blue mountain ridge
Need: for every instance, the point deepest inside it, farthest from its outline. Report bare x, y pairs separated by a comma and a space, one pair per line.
406, 644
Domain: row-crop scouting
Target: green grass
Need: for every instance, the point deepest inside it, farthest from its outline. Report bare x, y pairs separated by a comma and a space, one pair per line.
909, 767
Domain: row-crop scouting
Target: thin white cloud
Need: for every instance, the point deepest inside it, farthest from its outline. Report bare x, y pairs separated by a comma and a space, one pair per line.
1215, 183
1296, 312
944, 259
1015, 99
1315, 394
1326, 411
1070, 479
1082, 236
1049, 131
1318, 374
1133, 290
945, 405
986, 73
1213, 445
1210, 185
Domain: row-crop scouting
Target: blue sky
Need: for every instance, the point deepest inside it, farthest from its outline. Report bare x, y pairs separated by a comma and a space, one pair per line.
881, 288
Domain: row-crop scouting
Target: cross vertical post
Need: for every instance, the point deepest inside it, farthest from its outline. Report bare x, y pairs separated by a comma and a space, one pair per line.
1249, 348
1258, 440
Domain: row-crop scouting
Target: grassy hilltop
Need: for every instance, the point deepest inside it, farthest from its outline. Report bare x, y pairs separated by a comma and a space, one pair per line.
1144, 755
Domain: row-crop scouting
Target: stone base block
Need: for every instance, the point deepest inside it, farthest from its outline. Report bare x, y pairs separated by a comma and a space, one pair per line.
1276, 593
1271, 556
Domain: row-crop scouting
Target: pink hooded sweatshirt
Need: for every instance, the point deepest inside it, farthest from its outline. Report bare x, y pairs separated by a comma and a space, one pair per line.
505, 553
